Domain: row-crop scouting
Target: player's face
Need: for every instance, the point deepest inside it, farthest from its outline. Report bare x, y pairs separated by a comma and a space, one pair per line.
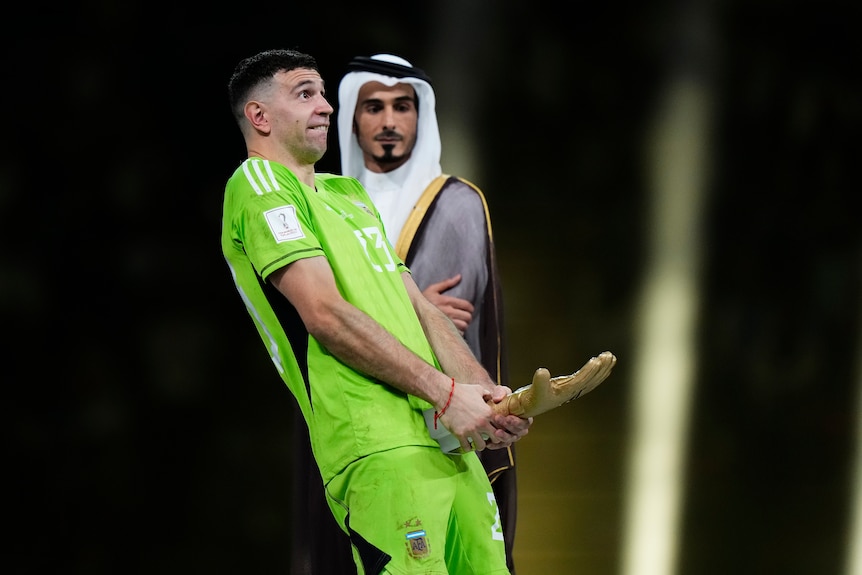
385, 124
299, 114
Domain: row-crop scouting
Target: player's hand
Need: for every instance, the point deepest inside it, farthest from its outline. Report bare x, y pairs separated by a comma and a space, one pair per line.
510, 428
460, 311
471, 419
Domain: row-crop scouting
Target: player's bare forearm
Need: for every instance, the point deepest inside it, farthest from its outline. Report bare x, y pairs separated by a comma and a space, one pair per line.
352, 335
361, 342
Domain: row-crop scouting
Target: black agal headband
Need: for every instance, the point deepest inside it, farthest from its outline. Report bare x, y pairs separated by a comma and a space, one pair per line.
363, 64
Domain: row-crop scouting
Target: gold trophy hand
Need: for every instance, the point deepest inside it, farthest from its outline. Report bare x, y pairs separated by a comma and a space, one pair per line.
547, 393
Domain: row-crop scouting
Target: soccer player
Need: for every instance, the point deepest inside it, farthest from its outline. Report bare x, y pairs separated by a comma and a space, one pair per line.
375, 368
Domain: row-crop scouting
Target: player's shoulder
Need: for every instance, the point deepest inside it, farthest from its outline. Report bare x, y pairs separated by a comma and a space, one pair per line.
257, 177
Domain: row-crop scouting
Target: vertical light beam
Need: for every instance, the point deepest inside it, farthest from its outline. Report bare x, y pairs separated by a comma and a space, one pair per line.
665, 356
854, 541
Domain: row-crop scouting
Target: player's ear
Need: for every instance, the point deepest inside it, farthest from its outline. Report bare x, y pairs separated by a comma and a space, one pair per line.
256, 115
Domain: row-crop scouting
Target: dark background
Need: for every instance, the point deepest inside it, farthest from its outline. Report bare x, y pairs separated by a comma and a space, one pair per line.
148, 431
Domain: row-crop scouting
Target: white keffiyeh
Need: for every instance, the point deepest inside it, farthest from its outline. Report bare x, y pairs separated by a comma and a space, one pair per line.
396, 192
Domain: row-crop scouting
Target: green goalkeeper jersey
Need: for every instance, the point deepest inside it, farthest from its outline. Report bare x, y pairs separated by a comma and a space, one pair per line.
271, 219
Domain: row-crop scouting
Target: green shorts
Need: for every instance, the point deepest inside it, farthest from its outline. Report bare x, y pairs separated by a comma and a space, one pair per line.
417, 510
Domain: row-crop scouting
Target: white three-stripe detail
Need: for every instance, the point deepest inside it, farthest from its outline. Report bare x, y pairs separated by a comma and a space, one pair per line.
259, 181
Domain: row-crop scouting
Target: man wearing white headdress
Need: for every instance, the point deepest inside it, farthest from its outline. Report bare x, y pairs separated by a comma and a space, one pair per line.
439, 224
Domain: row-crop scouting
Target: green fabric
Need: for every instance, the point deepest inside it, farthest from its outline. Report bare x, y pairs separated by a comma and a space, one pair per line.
271, 219
436, 515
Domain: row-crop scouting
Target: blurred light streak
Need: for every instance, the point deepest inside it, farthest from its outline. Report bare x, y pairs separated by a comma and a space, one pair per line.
665, 354
854, 542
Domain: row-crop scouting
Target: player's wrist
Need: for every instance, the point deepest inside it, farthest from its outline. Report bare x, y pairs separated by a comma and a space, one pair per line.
438, 413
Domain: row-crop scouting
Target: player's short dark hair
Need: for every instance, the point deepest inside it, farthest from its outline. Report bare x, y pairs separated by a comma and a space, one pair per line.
254, 70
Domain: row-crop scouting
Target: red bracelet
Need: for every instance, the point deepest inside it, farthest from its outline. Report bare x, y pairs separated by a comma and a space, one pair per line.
439, 414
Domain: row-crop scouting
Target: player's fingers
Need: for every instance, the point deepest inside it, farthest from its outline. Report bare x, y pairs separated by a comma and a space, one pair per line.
478, 443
